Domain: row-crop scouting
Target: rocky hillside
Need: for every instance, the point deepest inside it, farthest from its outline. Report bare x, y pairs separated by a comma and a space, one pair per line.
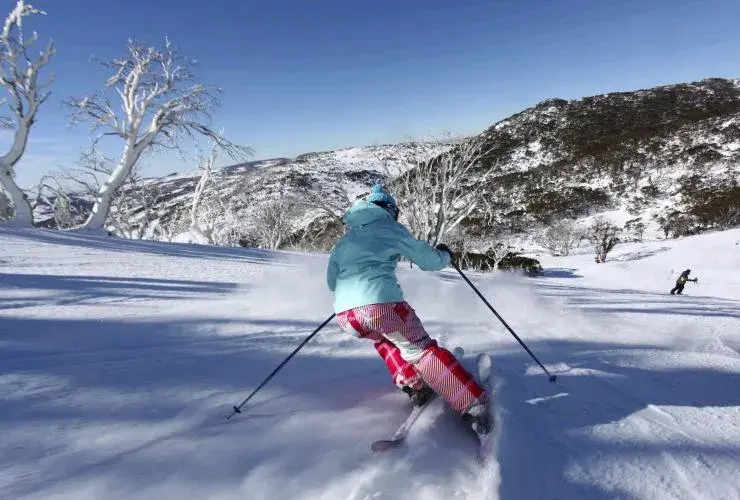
661, 153
667, 156
302, 195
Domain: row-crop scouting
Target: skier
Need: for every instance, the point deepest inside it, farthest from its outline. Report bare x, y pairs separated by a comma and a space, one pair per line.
681, 282
369, 303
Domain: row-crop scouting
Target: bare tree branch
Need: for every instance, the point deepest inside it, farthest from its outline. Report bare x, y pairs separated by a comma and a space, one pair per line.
273, 223
561, 238
604, 235
437, 192
202, 222
502, 245
162, 103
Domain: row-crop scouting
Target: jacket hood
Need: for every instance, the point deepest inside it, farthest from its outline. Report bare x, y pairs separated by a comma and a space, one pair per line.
363, 212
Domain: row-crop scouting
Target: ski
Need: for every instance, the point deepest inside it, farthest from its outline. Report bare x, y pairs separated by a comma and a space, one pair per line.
398, 438
486, 442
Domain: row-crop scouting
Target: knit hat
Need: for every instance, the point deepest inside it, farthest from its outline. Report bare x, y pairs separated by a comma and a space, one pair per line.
380, 197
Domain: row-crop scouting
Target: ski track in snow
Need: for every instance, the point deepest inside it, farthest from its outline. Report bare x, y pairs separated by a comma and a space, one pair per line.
120, 360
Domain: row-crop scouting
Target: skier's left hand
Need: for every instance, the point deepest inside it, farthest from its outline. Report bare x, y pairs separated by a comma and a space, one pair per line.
444, 248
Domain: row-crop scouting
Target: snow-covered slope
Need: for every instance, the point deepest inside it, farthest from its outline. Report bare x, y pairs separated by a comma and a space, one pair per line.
121, 359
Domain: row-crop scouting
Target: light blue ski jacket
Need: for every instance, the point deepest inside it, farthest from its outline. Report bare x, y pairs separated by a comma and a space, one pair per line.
362, 265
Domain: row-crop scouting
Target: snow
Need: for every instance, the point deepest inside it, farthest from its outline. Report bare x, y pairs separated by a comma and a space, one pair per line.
121, 359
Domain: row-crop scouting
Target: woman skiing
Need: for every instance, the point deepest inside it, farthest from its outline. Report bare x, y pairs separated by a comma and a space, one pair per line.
369, 304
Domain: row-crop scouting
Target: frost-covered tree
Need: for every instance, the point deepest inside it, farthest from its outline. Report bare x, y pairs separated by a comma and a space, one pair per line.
561, 237
330, 202
636, 227
172, 226
604, 235
19, 76
273, 223
203, 218
6, 211
501, 246
327, 206
161, 104
675, 223
69, 211
441, 184
133, 207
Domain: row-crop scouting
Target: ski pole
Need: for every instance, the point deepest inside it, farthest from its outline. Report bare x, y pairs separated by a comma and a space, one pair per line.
552, 377
238, 408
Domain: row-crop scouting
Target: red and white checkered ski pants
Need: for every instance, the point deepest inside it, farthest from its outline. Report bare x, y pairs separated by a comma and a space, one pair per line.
412, 357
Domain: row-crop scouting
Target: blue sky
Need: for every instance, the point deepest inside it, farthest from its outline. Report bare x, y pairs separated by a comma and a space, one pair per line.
309, 75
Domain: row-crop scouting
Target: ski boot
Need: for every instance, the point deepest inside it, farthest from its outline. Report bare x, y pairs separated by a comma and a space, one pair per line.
419, 397
479, 419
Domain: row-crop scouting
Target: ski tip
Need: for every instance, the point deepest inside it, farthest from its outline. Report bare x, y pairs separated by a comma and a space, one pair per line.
484, 361
384, 445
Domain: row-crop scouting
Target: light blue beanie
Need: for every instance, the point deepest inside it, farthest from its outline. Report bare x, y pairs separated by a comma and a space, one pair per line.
377, 193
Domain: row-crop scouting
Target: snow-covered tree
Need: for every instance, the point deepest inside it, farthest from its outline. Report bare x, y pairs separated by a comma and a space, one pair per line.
203, 218
171, 227
561, 237
133, 207
273, 223
6, 211
68, 211
162, 103
135, 210
441, 184
330, 202
604, 235
19, 76
636, 227
502, 245
327, 205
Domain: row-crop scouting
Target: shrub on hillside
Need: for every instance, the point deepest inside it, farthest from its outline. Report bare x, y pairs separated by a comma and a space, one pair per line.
636, 227
604, 235
561, 238
565, 203
485, 263
675, 223
719, 208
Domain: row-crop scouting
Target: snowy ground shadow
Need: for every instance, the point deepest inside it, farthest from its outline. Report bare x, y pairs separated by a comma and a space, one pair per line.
638, 254
136, 403
66, 290
560, 272
123, 245
546, 428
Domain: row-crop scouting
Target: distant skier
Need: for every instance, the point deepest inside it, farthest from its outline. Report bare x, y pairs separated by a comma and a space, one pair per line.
681, 282
369, 303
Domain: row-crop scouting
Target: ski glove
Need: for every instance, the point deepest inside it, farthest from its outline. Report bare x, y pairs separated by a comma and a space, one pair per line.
445, 248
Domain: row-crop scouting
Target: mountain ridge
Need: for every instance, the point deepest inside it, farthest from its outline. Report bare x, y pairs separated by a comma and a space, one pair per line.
663, 155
